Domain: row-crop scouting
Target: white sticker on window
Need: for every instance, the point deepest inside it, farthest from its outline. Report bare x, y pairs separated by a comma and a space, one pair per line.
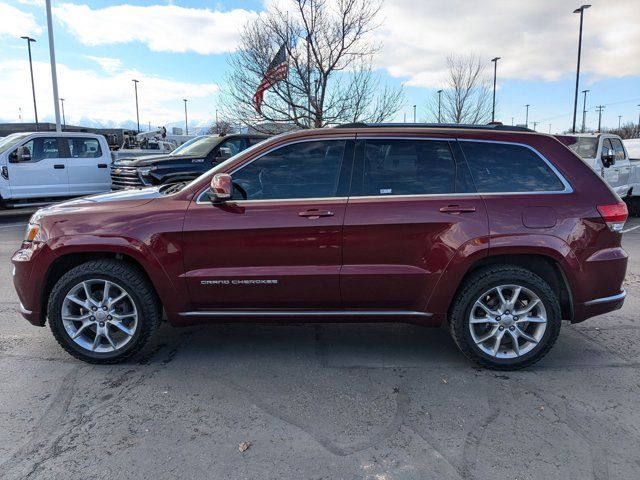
385, 190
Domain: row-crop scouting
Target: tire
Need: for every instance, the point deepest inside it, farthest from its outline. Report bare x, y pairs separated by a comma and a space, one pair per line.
126, 322
490, 286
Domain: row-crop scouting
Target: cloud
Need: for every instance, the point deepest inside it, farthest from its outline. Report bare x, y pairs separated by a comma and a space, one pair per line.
16, 23
108, 64
536, 40
103, 96
163, 28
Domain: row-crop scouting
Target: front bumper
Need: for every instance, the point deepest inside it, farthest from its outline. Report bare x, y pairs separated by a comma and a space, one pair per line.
28, 280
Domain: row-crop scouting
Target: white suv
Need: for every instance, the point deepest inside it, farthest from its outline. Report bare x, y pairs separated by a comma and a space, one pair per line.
41, 167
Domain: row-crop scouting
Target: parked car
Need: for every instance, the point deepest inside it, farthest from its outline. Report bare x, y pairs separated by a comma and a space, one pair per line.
606, 154
40, 167
183, 164
498, 232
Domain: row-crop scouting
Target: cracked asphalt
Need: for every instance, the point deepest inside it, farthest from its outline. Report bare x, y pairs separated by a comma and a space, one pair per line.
326, 401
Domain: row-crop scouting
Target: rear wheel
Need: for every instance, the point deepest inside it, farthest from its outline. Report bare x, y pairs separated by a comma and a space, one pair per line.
505, 317
103, 311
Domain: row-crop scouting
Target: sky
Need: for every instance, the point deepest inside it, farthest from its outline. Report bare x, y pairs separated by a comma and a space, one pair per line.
179, 49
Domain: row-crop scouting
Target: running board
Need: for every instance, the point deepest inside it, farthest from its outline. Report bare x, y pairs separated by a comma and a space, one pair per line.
306, 313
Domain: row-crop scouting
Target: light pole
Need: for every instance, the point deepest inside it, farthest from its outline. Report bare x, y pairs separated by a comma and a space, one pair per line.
526, 121
186, 122
414, 114
549, 129
64, 120
638, 122
584, 109
52, 62
535, 124
135, 83
575, 99
495, 73
33, 88
439, 105
217, 128
619, 121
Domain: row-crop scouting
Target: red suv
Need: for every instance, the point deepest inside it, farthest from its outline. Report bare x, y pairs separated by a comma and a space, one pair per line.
499, 232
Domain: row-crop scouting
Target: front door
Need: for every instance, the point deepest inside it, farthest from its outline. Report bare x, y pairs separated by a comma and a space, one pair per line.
87, 166
45, 175
278, 243
412, 206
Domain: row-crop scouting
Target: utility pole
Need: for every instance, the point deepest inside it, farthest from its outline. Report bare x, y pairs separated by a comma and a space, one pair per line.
217, 124
405, 117
440, 106
33, 88
526, 121
549, 129
535, 124
599, 108
512, 118
575, 99
64, 120
414, 114
619, 121
186, 122
54, 73
584, 109
495, 74
135, 83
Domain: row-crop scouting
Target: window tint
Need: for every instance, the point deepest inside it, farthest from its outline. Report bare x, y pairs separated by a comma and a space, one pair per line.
498, 167
300, 170
408, 167
42, 147
84, 147
617, 146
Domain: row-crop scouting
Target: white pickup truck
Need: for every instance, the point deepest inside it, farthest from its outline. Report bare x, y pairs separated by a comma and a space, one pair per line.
607, 155
42, 167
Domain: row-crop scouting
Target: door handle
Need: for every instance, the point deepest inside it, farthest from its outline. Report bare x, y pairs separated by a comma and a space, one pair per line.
455, 209
58, 166
102, 165
315, 213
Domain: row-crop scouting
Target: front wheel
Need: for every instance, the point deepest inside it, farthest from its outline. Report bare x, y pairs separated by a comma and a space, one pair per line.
103, 311
505, 317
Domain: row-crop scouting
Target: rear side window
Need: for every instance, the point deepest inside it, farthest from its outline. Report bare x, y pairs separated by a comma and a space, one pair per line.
299, 170
499, 167
84, 147
407, 167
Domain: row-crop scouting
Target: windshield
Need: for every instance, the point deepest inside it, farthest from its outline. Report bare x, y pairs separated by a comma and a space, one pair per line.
9, 142
198, 147
585, 147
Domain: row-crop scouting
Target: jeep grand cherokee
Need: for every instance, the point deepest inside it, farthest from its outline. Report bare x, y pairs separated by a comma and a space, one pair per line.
499, 232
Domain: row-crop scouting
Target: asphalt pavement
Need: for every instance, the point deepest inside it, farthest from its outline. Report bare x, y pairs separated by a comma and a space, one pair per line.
329, 401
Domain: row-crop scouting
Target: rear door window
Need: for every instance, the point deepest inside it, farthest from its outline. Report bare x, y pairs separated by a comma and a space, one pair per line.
84, 147
503, 167
407, 167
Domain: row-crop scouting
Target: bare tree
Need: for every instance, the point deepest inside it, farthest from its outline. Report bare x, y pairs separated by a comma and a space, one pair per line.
466, 95
330, 79
627, 130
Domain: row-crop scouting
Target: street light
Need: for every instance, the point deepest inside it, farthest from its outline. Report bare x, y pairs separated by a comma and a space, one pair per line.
64, 120
526, 121
186, 123
535, 124
619, 122
414, 114
495, 72
439, 105
575, 99
33, 88
584, 109
135, 83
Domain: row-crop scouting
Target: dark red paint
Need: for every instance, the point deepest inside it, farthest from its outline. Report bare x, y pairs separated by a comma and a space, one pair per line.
369, 254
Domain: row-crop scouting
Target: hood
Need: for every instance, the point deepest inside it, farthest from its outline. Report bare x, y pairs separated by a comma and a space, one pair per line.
134, 197
156, 159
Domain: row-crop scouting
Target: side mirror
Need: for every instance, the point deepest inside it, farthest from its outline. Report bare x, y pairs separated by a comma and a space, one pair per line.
609, 157
22, 154
221, 187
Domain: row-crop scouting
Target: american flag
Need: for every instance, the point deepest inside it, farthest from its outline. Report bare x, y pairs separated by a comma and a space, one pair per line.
278, 69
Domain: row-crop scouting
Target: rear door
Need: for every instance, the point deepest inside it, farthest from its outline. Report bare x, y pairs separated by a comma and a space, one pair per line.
278, 243
88, 166
412, 207
45, 175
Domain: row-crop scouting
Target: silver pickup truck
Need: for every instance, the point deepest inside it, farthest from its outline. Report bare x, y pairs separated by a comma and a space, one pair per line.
607, 155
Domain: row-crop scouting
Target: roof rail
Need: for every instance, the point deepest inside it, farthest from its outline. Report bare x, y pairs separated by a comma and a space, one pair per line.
489, 126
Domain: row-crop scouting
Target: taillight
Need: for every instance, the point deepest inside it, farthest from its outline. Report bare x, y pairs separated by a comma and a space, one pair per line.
614, 215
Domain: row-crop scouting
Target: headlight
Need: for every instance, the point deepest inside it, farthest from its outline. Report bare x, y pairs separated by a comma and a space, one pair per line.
34, 233
145, 171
